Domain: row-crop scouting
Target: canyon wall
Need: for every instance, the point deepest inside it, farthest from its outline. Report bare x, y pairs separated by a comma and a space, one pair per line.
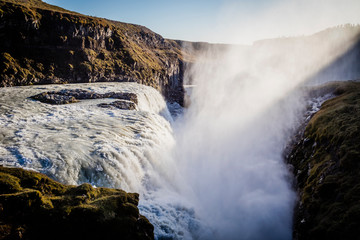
44, 44
325, 158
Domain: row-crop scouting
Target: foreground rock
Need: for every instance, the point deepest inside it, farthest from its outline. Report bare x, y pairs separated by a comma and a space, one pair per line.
127, 100
326, 160
32, 206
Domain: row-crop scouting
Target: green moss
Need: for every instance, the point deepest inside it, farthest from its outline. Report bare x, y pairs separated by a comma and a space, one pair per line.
45, 209
9, 183
35, 181
329, 165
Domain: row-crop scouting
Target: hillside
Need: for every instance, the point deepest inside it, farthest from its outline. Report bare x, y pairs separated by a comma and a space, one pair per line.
44, 44
326, 167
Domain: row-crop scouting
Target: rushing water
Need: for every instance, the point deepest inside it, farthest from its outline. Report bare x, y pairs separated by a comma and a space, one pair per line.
81, 142
184, 191
196, 180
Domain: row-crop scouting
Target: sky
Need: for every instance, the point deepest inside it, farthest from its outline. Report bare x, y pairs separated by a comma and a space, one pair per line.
223, 21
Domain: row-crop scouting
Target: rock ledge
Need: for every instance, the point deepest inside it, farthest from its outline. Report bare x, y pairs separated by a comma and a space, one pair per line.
32, 206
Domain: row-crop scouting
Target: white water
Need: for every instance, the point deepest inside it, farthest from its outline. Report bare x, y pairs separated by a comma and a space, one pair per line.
82, 142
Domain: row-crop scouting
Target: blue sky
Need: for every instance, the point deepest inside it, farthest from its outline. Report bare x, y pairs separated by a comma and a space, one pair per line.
223, 21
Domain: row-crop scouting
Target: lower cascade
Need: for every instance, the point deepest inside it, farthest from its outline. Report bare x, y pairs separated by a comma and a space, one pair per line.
216, 172
204, 176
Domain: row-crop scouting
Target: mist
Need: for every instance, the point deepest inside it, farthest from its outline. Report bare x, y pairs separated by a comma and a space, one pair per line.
244, 22
246, 104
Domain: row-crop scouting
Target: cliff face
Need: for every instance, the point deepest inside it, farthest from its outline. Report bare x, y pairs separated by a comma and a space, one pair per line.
326, 160
32, 206
44, 44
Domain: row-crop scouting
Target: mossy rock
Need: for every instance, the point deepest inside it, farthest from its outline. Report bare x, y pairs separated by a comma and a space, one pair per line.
32, 206
327, 167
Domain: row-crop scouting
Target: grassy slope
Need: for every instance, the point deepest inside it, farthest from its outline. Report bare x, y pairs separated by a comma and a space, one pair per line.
39, 4
32, 206
327, 163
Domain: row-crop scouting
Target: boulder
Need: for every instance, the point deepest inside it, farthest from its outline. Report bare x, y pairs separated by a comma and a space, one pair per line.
53, 98
124, 105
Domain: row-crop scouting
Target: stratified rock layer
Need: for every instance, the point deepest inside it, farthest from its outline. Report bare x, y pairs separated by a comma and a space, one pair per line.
326, 162
32, 206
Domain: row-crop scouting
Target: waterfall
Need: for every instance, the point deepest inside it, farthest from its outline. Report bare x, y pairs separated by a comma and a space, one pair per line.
230, 146
81, 142
246, 104
217, 172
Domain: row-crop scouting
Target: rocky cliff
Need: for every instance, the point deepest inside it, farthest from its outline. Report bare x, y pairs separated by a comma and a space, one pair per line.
32, 206
42, 44
326, 160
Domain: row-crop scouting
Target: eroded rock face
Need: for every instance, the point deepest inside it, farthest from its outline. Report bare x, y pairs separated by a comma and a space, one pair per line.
128, 100
32, 206
326, 160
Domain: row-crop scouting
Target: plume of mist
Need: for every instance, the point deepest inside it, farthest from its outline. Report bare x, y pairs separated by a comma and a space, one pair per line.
246, 21
245, 105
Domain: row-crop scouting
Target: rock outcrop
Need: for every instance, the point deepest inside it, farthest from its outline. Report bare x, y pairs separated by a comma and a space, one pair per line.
32, 206
42, 44
326, 160
67, 96
121, 104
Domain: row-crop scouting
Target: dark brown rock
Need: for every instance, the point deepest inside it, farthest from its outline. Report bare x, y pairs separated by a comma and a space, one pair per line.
79, 94
124, 105
53, 98
67, 96
122, 95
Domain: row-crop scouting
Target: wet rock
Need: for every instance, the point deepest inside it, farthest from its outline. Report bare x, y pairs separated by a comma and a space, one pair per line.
120, 95
53, 98
124, 105
79, 94
67, 96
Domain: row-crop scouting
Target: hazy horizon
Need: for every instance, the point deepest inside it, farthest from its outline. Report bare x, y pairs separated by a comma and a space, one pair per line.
224, 21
